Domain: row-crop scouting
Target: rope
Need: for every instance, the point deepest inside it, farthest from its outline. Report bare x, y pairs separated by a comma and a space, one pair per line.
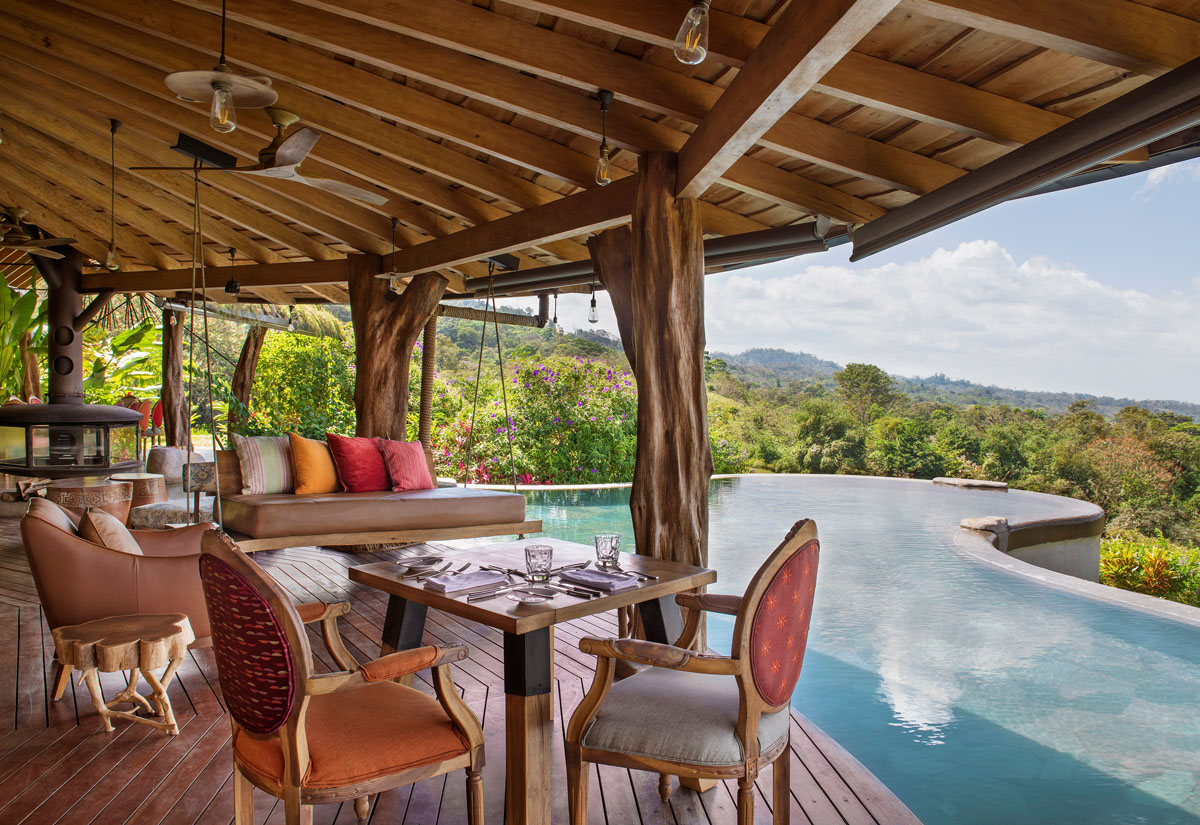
508, 422
198, 264
475, 402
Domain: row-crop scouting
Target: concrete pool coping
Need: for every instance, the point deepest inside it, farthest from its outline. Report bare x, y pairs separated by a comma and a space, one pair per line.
991, 540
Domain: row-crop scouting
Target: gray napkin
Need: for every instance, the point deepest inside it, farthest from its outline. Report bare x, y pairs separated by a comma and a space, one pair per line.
599, 579
465, 581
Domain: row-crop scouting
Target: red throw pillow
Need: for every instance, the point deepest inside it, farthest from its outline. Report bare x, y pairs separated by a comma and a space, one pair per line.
406, 465
359, 463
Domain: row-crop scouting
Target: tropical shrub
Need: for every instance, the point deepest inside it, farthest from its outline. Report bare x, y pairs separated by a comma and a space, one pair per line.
124, 362
303, 385
19, 315
1155, 566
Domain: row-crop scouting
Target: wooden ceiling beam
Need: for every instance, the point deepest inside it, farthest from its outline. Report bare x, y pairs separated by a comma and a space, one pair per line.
250, 276
64, 81
799, 49
79, 212
1118, 33
804, 138
81, 138
589, 211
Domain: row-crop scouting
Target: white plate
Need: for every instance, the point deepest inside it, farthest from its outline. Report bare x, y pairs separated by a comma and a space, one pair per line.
532, 595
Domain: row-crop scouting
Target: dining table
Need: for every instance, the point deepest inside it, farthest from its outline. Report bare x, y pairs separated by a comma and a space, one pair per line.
528, 642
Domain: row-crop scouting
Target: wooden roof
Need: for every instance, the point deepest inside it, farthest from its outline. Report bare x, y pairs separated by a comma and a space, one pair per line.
465, 113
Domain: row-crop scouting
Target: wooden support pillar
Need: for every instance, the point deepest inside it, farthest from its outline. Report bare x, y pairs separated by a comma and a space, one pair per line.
31, 372
176, 421
669, 500
428, 368
612, 262
386, 326
243, 373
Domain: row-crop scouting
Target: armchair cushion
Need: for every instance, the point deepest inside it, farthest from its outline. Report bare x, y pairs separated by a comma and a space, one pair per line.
353, 737
680, 717
52, 514
104, 529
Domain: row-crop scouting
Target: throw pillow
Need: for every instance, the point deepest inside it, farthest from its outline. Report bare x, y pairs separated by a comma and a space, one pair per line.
406, 465
313, 463
266, 463
359, 464
105, 529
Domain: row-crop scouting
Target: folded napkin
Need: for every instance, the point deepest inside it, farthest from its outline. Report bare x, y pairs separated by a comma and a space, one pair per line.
599, 579
465, 581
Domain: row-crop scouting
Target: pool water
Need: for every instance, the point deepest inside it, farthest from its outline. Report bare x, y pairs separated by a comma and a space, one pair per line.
976, 695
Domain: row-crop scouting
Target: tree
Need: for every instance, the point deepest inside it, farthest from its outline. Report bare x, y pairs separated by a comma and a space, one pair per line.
866, 390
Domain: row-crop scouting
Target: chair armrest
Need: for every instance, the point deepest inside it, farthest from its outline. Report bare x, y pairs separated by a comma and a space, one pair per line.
173, 541
171, 584
327, 614
659, 655
710, 602
319, 611
387, 668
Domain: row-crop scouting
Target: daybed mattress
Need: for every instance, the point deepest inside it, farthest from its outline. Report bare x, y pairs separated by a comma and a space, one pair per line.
273, 516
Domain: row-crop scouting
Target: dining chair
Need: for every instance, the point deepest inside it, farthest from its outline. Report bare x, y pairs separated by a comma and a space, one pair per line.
699, 715
310, 738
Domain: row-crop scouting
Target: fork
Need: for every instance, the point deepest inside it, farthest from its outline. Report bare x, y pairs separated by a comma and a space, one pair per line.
428, 576
642, 577
441, 569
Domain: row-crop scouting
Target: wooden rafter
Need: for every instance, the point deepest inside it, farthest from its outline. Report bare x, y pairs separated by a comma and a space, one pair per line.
804, 43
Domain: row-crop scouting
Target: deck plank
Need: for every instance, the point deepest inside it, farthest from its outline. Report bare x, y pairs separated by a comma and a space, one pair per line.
58, 765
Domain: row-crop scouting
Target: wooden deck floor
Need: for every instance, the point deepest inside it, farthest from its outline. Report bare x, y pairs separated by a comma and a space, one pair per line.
58, 765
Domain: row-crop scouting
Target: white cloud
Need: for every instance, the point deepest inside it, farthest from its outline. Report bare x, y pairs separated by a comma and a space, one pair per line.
1188, 171
972, 312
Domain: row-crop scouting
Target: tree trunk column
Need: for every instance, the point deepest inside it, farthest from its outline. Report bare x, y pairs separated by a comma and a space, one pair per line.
669, 500
243, 373
176, 423
386, 326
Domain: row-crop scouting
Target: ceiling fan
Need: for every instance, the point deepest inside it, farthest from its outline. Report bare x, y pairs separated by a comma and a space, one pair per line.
281, 159
14, 236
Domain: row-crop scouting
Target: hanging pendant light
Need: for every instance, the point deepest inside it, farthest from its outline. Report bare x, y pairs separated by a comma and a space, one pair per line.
603, 169
593, 314
232, 287
393, 277
111, 262
691, 43
224, 91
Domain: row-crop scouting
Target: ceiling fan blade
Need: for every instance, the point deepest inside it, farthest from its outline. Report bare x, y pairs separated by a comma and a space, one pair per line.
295, 147
277, 172
180, 169
344, 190
45, 253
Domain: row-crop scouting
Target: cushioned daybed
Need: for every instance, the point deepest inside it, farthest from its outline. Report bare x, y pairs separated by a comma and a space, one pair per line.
272, 521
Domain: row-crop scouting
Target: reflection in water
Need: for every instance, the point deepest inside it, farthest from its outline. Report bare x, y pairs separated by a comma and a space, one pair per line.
1043, 706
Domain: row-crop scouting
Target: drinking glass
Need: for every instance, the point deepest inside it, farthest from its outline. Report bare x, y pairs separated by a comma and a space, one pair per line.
608, 548
537, 561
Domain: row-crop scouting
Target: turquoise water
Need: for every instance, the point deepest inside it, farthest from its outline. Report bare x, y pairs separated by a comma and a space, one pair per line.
976, 695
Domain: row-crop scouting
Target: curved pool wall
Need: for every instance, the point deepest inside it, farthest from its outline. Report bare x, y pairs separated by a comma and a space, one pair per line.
978, 688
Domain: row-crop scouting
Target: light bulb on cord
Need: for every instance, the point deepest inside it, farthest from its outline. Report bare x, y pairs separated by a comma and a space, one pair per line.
111, 262
603, 169
691, 43
593, 313
222, 116
292, 324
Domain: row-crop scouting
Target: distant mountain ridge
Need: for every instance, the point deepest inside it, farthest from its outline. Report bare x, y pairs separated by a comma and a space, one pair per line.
777, 367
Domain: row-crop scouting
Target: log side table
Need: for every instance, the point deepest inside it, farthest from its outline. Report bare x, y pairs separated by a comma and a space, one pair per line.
135, 644
77, 494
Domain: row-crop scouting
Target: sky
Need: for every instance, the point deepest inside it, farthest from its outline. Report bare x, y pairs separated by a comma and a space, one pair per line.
1093, 290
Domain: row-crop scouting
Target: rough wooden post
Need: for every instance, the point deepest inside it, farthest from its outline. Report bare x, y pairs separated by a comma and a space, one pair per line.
428, 368
31, 375
386, 327
176, 421
669, 500
243, 373
612, 262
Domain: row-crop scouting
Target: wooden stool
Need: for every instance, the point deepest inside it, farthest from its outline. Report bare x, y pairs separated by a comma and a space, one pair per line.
77, 494
135, 644
148, 488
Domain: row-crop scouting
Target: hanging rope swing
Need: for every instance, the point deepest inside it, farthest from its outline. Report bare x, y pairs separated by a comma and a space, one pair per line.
199, 279
509, 427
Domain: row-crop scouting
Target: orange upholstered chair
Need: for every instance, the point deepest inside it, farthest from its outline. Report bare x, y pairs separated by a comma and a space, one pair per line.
701, 716
311, 738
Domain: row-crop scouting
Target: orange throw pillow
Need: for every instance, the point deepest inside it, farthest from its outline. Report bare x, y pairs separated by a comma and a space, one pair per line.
314, 469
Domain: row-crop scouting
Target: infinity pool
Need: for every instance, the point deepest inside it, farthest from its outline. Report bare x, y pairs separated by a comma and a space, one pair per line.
976, 695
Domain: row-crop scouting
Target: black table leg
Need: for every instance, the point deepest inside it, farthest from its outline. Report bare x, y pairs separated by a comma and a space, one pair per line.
527, 723
662, 620
404, 625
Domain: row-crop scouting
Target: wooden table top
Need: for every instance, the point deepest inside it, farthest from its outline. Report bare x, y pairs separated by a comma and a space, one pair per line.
513, 617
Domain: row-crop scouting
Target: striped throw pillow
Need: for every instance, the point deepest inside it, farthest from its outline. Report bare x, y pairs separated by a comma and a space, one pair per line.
266, 463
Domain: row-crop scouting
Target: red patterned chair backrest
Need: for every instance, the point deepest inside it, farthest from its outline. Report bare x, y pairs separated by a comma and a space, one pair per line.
258, 664
772, 625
